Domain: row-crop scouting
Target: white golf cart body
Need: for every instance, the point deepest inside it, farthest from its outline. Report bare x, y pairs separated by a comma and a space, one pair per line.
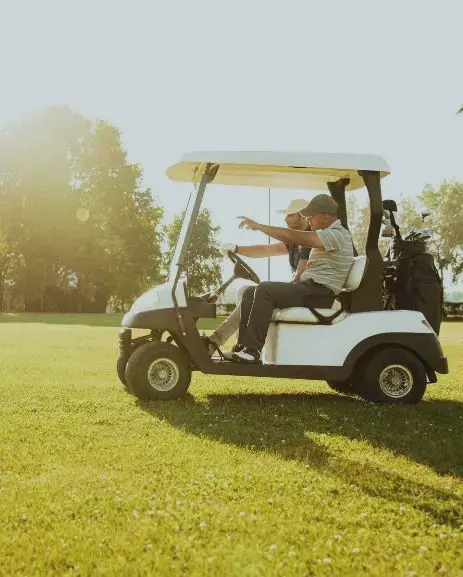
301, 342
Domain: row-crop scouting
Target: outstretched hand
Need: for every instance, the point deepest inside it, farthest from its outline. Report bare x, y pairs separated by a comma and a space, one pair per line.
248, 223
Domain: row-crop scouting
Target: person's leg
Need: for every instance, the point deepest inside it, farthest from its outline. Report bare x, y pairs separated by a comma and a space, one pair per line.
271, 295
246, 306
230, 325
267, 297
228, 328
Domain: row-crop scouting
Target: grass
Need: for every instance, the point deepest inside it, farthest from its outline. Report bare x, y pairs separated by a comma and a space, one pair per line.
89, 320
241, 477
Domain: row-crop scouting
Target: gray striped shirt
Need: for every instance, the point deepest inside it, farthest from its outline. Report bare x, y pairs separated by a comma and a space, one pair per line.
331, 266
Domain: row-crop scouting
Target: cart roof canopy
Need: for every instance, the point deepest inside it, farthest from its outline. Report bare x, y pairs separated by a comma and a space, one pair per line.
308, 170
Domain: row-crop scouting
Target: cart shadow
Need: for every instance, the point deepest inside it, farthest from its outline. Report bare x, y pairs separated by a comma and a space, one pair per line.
291, 426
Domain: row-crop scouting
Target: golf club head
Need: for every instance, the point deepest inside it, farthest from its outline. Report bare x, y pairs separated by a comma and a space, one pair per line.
425, 213
390, 205
423, 235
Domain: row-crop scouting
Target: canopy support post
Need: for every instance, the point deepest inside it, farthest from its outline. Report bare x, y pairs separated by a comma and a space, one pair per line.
368, 297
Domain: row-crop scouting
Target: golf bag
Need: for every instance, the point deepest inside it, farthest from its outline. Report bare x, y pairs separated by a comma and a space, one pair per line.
415, 283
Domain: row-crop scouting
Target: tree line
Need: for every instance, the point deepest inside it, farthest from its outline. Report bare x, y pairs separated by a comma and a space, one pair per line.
78, 231
445, 204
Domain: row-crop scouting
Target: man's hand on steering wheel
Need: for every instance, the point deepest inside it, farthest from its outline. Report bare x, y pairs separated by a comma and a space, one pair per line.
226, 248
241, 269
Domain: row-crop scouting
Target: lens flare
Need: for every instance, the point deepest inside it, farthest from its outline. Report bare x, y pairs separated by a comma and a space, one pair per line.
83, 214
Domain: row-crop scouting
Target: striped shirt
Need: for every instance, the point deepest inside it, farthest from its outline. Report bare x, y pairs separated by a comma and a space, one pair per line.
331, 266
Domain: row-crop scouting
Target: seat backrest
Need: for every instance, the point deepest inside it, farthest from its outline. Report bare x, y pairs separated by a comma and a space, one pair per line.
355, 276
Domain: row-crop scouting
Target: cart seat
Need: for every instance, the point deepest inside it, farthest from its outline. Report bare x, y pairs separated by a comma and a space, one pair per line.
306, 316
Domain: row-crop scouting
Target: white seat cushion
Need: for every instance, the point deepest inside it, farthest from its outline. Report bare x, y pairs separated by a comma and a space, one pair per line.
355, 275
303, 315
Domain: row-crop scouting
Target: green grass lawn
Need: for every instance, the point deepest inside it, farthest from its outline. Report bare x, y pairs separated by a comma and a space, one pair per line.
241, 477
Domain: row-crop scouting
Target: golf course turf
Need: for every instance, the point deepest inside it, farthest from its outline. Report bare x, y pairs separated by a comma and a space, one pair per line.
241, 477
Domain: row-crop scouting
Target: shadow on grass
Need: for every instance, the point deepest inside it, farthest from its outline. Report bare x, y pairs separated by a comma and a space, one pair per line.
430, 433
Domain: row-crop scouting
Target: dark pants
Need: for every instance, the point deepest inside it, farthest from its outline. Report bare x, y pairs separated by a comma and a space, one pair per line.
259, 302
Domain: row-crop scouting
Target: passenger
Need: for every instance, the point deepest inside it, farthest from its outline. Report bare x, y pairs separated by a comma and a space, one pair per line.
298, 258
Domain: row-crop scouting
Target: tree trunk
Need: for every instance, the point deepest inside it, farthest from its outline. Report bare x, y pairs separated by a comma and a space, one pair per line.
2, 291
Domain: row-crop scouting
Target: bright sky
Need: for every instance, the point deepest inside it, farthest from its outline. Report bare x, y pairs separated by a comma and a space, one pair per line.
369, 76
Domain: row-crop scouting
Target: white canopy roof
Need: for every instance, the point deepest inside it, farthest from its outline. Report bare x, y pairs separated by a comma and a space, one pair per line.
303, 170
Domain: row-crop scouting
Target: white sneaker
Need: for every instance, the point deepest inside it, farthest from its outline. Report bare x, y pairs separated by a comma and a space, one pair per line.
247, 356
228, 355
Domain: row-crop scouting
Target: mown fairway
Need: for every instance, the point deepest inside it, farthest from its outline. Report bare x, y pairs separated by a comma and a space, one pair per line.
242, 477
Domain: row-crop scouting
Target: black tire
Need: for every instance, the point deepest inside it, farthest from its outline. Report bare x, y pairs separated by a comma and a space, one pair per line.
392, 375
346, 387
158, 371
120, 367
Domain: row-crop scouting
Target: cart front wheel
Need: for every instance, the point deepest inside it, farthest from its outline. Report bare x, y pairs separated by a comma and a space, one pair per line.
158, 370
121, 364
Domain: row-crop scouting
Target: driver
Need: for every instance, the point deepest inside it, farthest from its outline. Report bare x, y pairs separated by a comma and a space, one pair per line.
298, 257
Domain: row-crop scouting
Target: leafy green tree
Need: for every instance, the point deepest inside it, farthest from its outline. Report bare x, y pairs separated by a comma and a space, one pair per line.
118, 243
203, 258
358, 219
446, 207
75, 214
5, 264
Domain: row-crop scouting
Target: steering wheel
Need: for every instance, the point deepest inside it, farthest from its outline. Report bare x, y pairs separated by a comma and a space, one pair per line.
242, 269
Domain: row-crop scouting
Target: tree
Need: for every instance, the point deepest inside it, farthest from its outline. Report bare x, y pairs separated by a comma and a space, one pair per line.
203, 258
74, 213
410, 220
358, 220
446, 206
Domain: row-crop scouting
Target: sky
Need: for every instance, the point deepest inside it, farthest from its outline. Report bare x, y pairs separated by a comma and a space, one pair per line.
380, 77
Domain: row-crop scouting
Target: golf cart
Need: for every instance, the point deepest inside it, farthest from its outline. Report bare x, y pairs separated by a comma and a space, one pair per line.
357, 346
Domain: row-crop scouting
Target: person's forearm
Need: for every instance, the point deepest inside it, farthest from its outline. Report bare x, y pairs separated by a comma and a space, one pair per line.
260, 250
291, 236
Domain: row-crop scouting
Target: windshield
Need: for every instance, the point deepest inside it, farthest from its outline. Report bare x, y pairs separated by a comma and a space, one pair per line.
179, 253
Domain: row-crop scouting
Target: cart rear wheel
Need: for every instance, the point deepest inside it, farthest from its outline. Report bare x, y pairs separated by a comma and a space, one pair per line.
158, 370
393, 375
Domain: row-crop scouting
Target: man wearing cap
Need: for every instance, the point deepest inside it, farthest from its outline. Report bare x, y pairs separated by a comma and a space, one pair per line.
331, 257
298, 257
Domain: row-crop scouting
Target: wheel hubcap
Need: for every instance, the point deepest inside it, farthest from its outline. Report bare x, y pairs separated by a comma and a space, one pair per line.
396, 381
163, 374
